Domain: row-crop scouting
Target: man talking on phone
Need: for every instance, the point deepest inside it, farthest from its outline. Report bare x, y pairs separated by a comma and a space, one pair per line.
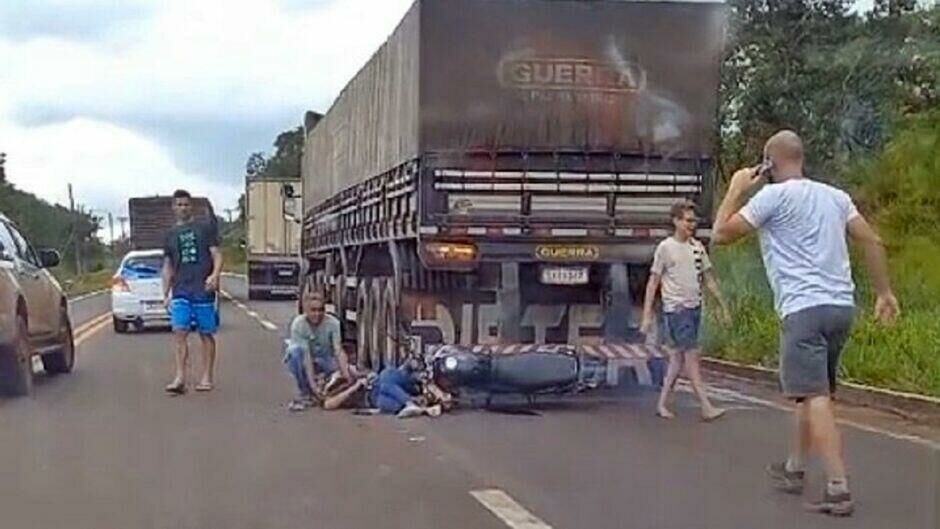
802, 226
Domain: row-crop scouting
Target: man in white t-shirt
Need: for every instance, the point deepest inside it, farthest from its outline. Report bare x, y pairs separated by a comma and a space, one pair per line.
802, 227
681, 266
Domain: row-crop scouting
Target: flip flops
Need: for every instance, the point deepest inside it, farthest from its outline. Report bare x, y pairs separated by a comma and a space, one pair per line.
176, 389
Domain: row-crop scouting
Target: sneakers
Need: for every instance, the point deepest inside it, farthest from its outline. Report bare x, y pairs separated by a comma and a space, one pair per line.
792, 483
785, 480
301, 404
833, 504
410, 410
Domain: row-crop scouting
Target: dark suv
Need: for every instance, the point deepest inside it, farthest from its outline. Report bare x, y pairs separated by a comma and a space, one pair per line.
34, 315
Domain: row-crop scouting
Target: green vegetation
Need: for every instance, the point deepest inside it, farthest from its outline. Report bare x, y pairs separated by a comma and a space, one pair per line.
865, 95
53, 226
77, 285
900, 192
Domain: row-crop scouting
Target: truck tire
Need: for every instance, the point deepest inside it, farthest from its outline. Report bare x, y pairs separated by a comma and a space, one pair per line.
392, 332
16, 364
120, 327
339, 297
63, 360
377, 302
363, 324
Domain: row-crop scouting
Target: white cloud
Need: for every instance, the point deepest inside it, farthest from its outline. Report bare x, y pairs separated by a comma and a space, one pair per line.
211, 58
68, 105
105, 164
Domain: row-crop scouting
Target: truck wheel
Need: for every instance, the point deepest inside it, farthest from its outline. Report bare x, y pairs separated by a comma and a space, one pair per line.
392, 332
120, 327
339, 300
16, 365
63, 360
377, 301
363, 324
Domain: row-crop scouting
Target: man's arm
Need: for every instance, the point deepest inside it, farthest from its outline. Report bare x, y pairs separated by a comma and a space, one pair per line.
876, 260
730, 225
652, 286
167, 274
711, 284
337, 401
212, 282
341, 358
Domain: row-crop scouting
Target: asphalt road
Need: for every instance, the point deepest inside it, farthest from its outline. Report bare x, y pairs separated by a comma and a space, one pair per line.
104, 447
85, 308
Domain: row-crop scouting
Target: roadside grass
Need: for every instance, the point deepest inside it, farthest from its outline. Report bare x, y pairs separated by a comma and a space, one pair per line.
234, 260
77, 285
900, 193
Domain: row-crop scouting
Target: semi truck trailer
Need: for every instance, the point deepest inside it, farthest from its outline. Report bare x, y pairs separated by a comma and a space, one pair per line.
498, 175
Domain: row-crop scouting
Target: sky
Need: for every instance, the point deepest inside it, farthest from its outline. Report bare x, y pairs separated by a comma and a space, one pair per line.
126, 98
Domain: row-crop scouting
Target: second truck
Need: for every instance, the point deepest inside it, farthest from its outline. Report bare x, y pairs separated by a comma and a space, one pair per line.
272, 237
500, 171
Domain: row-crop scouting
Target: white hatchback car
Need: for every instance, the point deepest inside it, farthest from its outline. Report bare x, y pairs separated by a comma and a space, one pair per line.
137, 291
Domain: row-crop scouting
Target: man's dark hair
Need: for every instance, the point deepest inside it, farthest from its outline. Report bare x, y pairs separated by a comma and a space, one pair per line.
677, 211
181, 193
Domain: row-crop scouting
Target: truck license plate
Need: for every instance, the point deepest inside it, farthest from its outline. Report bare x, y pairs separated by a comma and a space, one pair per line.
569, 275
285, 273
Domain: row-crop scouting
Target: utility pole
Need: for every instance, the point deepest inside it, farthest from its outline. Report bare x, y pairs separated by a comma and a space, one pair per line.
78, 243
111, 236
123, 220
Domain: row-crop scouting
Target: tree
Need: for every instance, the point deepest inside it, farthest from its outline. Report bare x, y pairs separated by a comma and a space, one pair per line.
814, 66
288, 151
256, 166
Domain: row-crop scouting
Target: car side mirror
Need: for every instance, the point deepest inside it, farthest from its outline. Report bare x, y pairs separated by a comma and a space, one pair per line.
49, 258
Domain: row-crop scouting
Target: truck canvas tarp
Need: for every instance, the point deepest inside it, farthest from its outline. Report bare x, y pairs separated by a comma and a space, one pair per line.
635, 78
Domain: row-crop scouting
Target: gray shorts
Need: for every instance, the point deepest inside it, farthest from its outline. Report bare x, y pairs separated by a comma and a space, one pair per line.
811, 342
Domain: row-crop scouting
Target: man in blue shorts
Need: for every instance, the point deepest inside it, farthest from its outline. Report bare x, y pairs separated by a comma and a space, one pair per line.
192, 266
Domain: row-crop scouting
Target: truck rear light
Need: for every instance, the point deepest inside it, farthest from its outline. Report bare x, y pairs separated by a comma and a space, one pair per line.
451, 252
118, 284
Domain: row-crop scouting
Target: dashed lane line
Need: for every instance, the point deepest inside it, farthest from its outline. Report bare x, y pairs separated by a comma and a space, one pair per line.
508, 510
266, 324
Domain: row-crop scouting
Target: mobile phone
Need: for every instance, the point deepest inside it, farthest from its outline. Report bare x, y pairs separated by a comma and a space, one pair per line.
763, 169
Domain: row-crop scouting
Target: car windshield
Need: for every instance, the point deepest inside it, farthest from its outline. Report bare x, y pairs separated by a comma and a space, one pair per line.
142, 267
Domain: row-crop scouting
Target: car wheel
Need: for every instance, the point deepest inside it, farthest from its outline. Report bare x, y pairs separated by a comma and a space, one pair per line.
16, 365
120, 327
64, 360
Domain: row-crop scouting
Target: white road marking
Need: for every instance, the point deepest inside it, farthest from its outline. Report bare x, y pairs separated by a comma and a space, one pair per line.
252, 314
508, 510
89, 295
735, 395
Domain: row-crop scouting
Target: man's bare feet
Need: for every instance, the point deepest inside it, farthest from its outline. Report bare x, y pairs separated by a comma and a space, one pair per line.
177, 387
663, 413
205, 385
713, 414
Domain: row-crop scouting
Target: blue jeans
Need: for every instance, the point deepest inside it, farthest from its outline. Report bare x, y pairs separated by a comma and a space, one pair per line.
393, 390
295, 359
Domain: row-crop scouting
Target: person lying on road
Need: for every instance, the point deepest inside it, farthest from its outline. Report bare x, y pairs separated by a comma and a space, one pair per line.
396, 390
